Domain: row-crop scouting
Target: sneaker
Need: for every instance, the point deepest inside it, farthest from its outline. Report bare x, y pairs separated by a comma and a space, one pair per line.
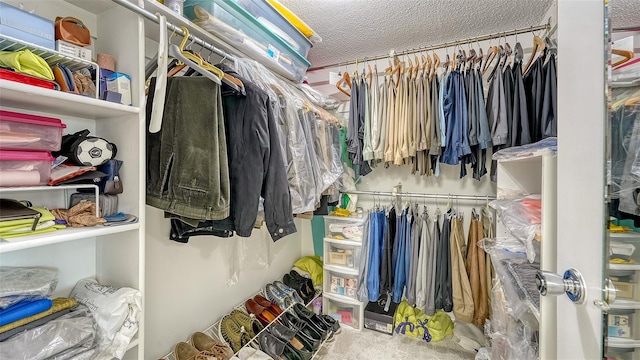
235, 335
204, 342
289, 291
185, 351
277, 296
250, 324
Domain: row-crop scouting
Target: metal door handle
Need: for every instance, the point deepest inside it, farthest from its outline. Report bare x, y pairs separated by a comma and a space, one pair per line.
571, 283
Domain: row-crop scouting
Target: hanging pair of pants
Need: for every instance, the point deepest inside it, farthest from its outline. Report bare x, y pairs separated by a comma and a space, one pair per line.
463, 307
443, 271
376, 233
400, 276
476, 271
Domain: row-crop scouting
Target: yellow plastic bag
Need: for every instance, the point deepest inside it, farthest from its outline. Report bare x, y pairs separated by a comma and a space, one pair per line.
294, 20
26, 62
414, 322
312, 265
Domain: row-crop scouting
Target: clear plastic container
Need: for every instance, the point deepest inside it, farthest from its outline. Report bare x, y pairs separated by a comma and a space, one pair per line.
176, 6
340, 281
343, 228
620, 323
29, 132
347, 313
342, 253
24, 168
277, 24
233, 24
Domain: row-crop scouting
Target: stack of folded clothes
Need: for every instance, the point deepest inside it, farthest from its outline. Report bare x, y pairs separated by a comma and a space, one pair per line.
33, 326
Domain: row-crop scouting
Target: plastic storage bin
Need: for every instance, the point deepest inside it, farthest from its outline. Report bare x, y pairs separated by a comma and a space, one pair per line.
277, 24
343, 228
27, 27
620, 323
346, 312
233, 24
624, 248
29, 132
340, 281
342, 253
24, 168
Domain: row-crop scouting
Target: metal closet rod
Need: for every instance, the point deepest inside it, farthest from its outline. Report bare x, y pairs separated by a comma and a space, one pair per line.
170, 26
440, 46
421, 195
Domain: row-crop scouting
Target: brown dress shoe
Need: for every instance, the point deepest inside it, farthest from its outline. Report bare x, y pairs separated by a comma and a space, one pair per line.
275, 309
262, 314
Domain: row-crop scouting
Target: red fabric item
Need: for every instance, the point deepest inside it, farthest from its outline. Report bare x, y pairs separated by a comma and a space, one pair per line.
25, 79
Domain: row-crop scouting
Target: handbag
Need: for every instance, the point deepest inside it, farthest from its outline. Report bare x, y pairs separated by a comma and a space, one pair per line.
111, 184
81, 149
64, 78
72, 30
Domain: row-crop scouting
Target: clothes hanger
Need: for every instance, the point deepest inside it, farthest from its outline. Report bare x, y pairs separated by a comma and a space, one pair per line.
369, 75
501, 53
538, 45
345, 80
626, 54
193, 61
436, 64
417, 65
491, 56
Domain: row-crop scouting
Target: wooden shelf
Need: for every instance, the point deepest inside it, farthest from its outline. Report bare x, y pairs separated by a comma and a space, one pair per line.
17, 95
64, 235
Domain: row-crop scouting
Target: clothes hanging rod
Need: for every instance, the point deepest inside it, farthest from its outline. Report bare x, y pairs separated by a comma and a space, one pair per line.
147, 14
421, 195
440, 46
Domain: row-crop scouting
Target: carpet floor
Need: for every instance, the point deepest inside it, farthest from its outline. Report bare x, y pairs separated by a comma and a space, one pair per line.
369, 345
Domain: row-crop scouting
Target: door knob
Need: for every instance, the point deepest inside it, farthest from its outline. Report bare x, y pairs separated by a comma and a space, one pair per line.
571, 284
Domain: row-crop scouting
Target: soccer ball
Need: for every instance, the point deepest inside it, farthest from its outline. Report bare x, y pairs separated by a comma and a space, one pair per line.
94, 151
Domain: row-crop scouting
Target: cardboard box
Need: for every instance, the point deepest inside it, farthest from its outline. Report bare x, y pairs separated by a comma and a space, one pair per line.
73, 50
375, 318
30, 28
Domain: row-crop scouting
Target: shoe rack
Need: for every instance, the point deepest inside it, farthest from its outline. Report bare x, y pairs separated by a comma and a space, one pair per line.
213, 330
342, 252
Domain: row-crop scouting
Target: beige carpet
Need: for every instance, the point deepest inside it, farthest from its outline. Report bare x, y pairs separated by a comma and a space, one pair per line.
369, 345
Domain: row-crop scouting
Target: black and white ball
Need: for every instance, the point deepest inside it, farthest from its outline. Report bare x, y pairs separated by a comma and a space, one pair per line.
94, 152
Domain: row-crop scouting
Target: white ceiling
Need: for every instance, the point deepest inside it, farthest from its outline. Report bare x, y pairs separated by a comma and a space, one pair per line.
360, 28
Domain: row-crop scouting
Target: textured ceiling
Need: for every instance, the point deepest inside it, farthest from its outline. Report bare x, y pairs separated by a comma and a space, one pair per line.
625, 13
361, 28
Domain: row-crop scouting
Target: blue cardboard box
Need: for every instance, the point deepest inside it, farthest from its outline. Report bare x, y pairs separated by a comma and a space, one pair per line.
27, 27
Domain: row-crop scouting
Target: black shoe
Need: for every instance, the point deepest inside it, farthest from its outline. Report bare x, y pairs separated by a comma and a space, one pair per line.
277, 348
292, 337
305, 280
313, 320
300, 287
304, 330
331, 322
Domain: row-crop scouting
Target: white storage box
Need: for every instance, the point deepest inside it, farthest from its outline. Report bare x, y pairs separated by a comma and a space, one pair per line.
350, 313
344, 228
342, 253
73, 50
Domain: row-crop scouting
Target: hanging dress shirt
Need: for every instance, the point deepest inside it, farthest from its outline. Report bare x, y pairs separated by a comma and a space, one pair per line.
435, 149
379, 131
390, 139
371, 99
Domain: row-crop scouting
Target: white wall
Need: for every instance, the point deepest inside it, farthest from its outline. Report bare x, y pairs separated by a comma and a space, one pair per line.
186, 284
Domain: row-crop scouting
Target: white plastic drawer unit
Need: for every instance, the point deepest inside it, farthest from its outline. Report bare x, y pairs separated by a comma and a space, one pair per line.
340, 281
347, 312
344, 228
344, 253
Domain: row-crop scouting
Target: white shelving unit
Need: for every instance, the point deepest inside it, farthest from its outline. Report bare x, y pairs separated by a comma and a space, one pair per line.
537, 175
113, 255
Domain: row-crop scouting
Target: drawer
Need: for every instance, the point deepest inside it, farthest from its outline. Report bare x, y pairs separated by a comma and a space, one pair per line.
346, 312
624, 284
344, 228
342, 253
24, 168
29, 132
340, 281
624, 248
233, 24
620, 323
276, 23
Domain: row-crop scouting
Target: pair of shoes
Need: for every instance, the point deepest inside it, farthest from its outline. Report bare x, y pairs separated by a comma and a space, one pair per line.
282, 343
290, 320
186, 351
204, 342
303, 286
238, 329
319, 323
279, 296
264, 310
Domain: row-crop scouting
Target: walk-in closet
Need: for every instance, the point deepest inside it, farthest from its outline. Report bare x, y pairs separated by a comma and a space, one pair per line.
328, 180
